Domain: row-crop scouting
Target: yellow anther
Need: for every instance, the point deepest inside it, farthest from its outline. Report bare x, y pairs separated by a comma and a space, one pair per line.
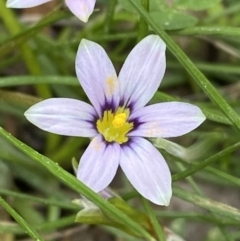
119, 120
115, 126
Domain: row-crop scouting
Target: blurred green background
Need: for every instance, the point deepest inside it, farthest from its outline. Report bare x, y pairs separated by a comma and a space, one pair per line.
37, 58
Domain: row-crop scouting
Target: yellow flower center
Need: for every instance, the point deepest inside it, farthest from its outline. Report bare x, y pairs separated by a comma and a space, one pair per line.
114, 126
119, 120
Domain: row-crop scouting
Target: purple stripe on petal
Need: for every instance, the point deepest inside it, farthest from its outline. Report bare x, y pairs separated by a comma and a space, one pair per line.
109, 105
98, 164
169, 119
64, 116
147, 170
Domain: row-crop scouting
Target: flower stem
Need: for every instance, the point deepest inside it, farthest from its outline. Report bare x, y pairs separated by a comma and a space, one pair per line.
153, 219
190, 67
109, 14
200, 193
77, 185
143, 26
28, 56
30, 231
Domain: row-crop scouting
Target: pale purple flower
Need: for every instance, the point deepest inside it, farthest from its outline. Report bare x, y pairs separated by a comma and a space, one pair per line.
118, 120
80, 8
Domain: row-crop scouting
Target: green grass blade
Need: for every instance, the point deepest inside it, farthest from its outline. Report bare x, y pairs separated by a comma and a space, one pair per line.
54, 202
197, 167
209, 30
214, 206
29, 230
76, 185
153, 219
194, 72
30, 80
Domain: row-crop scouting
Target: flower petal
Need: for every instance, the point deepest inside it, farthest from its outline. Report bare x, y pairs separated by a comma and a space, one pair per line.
25, 3
169, 119
147, 170
81, 8
63, 116
99, 164
142, 72
97, 75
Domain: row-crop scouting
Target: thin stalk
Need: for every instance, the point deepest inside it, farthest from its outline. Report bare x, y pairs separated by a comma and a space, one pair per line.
28, 56
235, 8
143, 26
200, 193
153, 219
209, 30
77, 185
49, 202
29, 230
197, 217
193, 71
201, 165
109, 15
44, 227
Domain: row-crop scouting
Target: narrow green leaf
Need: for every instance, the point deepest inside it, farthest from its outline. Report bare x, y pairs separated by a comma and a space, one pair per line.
127, 6
143, 26
171, 19
77, 185
197, 167
19, 99
22, 37
226, 11
157, 5
194, 185
153, 219
73, 81
29, 230
54, 202
30, 80
209, 30
95, 216
217, 207
193, 152
109, 15
44, 227
194, 72
195, 4
135, 214
196, 216
27, 54
224, 175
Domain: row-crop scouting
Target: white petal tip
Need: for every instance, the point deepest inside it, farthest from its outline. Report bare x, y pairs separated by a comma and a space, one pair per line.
12, 5
202, 117
25, 113
84, 18
167, 202
84, 41
81, 9
9, 4
163, 200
